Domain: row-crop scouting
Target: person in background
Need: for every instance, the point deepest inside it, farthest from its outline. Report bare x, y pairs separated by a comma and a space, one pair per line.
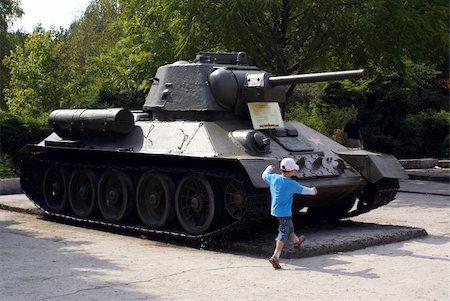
282, 190
352, 132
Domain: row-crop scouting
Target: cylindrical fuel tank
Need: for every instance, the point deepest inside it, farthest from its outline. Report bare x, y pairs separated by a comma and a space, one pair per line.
77, 123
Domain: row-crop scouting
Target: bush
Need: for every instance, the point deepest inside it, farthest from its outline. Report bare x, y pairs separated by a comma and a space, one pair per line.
6, 167
16, 131
427, 133
403, 112
337, 118
327, 121
307, 115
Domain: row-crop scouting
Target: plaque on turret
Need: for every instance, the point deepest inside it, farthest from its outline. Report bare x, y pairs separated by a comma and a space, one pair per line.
265, 115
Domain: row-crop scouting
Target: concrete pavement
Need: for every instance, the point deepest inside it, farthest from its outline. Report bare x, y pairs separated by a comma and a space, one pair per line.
43, 260
10, 186
425, 187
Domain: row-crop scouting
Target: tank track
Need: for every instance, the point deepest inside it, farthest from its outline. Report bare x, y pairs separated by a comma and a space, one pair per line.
257, 200
375, 195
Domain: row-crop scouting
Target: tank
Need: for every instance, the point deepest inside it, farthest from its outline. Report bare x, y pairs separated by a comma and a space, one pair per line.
190, 162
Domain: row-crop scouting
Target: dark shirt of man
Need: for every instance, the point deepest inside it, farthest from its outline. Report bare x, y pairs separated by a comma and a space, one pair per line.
352, 129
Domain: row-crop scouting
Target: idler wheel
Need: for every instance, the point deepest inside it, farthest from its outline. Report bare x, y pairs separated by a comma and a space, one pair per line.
195, 204
55, 187
155, 200
115, 195
235, 199
83, 192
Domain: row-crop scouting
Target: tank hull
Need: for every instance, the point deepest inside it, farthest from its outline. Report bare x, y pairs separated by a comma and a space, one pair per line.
217, 157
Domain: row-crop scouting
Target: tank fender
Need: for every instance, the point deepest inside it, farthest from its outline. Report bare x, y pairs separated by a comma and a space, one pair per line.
373, 166
255, 168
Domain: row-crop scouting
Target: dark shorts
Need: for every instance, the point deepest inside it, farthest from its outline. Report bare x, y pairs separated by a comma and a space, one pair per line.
354, 142
285, 228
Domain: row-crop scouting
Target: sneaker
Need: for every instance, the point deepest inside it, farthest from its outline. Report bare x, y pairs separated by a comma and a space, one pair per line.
301, 239
275, 262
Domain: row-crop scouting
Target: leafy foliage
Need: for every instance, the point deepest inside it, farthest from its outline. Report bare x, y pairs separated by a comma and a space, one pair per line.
107, 57
391, 107
295, 36
144, 43
16, 131
7, 169
9, 11
424, 134
38, 78
88, 38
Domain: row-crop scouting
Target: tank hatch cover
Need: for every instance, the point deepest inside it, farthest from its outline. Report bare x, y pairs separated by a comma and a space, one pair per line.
222, 58
290, 142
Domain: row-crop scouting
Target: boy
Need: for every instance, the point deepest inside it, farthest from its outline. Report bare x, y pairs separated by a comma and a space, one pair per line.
282, 190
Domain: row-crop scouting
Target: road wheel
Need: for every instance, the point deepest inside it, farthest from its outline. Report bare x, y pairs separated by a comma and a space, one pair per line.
55, 188
83, 192
196, 204
154, 200
115, 195
235, 199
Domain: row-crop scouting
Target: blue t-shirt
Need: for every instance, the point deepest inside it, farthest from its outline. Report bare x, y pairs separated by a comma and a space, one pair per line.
282, 191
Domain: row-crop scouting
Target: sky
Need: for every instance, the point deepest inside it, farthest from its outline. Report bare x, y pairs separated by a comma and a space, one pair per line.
56, 13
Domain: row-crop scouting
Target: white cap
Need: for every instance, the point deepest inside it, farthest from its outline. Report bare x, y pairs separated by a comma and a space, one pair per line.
288, 164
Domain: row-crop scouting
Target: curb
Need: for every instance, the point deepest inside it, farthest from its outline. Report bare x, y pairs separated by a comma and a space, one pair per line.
10, 186
419, 163
437, 174
441, 178
33, 211
444, 163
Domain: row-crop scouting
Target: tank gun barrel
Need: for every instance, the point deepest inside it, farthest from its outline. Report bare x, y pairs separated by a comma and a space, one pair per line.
316, 77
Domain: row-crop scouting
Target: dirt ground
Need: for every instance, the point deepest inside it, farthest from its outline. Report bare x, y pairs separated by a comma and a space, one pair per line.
42, 260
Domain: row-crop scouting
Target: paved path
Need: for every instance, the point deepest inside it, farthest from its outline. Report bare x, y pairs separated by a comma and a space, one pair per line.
425, 187
42, 260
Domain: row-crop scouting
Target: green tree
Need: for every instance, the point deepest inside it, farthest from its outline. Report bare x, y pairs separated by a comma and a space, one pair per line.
289, 36
37, 75
395, 108
9, 11
60, 74
89, 37
144, 43
281, 36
